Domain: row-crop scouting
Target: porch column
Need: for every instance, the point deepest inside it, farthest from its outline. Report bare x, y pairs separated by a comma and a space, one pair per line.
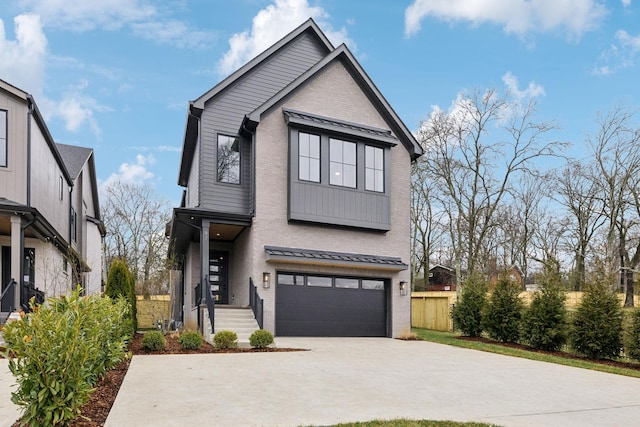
16, 258
204, 270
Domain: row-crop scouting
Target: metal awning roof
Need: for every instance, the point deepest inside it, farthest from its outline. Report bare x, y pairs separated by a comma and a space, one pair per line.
345, 259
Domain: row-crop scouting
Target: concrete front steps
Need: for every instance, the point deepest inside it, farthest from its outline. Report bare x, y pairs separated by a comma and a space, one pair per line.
237, 319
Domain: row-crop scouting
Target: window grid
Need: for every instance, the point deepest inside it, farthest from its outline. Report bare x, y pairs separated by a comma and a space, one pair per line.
4, 148
342, 163
308, 157
374, 169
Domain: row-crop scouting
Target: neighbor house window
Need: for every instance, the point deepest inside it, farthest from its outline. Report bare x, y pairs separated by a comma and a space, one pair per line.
3, 139
374, 169
228, 159
342, 163
308, 157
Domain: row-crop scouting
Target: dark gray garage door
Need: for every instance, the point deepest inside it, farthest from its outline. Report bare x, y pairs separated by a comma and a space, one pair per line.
323, 306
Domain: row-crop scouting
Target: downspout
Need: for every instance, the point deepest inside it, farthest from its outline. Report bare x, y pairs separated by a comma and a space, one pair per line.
29, 116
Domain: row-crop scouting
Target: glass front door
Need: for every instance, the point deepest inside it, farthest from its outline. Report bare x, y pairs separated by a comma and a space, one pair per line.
219, 276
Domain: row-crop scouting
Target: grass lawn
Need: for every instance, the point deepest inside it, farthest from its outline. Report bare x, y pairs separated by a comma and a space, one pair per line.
451, 338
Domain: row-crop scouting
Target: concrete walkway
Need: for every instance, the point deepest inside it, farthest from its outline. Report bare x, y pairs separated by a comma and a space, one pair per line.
9, 412
363, 379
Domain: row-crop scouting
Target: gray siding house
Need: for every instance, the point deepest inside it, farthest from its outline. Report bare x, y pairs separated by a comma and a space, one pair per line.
297, 194
50, 226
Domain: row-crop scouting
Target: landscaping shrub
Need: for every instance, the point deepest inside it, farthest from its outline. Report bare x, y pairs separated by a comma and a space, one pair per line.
467, 312
632, 341
225, 339
190, 340
121, 284
502, 314
596, 330
153, 341
544, 324
60, 350
261, 339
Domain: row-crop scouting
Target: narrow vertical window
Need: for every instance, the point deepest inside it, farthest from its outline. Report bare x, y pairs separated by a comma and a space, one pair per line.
228, 159
4, 149
61, 189
374, 169
342, 163
74, 225
308, 157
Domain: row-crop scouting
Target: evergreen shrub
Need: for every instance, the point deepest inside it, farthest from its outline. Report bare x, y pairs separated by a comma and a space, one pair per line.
153, 341
261, 339
190, 340
503, 312
467, 312
225, 339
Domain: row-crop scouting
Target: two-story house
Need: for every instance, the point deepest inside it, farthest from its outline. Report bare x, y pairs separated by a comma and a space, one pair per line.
50, 226
297, 195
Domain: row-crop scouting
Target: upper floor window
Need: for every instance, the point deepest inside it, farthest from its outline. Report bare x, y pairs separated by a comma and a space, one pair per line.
228, 159
3, 138
61, 188
374, 169
342, 163
308, 157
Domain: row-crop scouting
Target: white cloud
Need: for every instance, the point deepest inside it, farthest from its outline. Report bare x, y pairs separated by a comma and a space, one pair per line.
626, 3
520, 17
623, 53
533, 90
132, 173
22, 60
270, 25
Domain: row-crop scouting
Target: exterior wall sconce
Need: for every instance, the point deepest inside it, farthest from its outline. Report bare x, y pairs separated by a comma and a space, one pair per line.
266, 280
403, 288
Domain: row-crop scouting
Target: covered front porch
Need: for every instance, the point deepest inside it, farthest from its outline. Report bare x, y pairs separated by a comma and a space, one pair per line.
208, 247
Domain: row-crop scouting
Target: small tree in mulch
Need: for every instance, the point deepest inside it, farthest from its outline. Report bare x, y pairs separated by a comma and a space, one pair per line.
632, 338
467, 312
502, 314
544, 324
121, 284
596, 330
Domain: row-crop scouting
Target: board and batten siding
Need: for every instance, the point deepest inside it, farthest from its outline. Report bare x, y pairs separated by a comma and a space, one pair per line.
223, 114
13, 178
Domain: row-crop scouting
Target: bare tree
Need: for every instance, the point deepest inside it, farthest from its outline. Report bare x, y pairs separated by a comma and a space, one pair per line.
577, 190
617, 160
475, 152
135, 217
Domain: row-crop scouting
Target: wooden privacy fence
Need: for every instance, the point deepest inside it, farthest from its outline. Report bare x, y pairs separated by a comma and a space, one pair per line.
151, 310
432, 310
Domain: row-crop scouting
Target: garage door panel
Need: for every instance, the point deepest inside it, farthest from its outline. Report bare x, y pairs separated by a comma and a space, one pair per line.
320, 311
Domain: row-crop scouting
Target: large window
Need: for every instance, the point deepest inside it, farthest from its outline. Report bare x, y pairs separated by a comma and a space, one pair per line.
228, 159
374, 169
308, 157
342, 163
3, 138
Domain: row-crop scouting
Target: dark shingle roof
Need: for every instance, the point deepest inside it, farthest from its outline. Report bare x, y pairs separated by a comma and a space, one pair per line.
312, 256
74, 158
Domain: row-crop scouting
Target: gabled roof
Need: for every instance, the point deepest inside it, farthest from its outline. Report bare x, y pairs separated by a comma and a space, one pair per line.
308, 26
31, 103
342, 53
75, 158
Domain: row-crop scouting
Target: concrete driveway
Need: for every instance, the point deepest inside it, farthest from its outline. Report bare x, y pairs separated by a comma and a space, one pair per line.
348, 379
9, 412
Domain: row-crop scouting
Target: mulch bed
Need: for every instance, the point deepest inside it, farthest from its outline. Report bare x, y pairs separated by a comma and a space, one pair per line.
94, 413
614, 363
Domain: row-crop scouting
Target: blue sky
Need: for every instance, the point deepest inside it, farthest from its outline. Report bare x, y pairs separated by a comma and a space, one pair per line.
117, 75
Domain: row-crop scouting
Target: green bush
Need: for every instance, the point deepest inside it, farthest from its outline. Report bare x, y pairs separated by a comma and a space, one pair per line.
121, 284
632, 341
190, 340
596, 329
225, 339
153, 341
261, 339
467, 312
544, 324
60, 350
502, 314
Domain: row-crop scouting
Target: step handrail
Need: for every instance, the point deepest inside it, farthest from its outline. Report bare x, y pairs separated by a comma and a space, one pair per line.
257, 303
12, 284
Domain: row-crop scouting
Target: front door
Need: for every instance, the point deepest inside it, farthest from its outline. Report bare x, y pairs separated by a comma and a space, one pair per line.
219, 276
28, 279
7, 301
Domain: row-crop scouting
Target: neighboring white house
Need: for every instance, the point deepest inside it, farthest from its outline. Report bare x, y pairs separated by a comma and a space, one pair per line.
50, 226
297, 181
